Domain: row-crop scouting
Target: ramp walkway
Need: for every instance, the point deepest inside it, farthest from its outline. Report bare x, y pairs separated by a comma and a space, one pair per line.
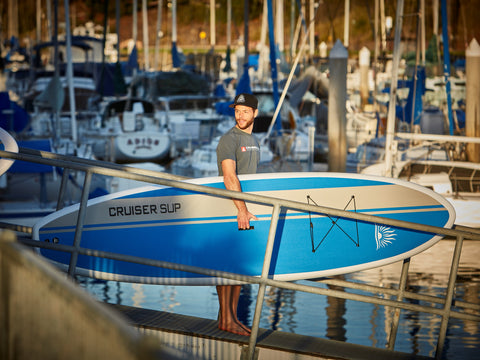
18, 313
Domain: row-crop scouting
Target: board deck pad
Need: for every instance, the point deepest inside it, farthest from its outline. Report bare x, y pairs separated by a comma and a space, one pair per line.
195, 229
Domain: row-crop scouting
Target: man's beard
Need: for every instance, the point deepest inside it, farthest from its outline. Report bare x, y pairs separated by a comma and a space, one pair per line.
246, 126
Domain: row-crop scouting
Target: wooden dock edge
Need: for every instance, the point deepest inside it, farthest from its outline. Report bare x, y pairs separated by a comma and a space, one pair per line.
203, 340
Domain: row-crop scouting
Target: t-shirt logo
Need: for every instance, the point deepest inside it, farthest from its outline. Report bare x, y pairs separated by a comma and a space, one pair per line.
244, 149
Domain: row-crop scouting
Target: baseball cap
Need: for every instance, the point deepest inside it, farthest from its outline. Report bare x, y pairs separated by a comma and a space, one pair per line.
245, 100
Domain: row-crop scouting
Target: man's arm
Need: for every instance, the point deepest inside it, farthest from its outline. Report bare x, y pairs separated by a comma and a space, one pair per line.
231, 182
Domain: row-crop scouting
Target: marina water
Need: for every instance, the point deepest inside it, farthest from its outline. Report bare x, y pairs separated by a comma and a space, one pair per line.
332, 318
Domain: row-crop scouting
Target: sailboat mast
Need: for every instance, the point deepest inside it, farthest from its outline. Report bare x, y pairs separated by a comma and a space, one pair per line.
176, 61
376, 54
212, 24
117, 27
390, 135
146, 46
311, 12
263, 61
39, 21
246, 10
346, 27
229, 23
157, 34
71, 90
279, 25
292, 28
12, 18
134, 23
446, 64
273, 59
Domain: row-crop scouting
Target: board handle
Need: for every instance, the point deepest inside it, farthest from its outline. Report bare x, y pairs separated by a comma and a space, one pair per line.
250, 228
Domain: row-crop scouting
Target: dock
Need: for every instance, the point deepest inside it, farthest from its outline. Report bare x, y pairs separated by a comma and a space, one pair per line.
202, 339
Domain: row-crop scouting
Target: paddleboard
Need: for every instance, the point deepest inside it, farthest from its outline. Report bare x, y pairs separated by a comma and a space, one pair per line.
186, 227
7, 143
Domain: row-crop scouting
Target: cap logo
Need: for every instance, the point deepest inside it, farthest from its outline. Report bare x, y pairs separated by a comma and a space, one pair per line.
245, 100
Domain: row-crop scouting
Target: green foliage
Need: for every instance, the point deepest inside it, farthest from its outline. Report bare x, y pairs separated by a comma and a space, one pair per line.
431, 54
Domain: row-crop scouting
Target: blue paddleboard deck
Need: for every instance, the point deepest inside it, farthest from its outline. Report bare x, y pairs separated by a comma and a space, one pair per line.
195, 229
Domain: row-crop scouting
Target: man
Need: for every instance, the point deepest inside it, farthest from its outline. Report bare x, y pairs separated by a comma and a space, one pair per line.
238, 152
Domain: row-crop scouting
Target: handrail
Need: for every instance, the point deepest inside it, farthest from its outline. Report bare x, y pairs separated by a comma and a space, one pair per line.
276, 283
170, 180
90, 167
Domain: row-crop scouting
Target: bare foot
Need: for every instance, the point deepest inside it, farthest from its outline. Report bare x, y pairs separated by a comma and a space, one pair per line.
236, 328
247, 329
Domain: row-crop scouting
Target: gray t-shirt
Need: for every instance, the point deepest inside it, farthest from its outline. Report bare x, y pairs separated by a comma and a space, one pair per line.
240, 146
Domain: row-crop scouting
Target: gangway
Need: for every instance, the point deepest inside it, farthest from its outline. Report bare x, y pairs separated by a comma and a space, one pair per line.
446, 307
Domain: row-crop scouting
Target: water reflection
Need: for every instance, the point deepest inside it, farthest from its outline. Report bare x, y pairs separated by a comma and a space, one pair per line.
332, 318
336, 322
138, 295
167, 298
279, 309
245, 304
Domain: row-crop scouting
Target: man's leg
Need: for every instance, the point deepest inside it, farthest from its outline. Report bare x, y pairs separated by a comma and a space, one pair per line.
227, 320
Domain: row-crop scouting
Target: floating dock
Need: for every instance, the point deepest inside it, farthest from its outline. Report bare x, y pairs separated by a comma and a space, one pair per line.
202, 339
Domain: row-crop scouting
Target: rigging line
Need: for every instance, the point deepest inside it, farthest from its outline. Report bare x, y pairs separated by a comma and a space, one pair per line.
334, 222
357, 243
312, 234
341, 229
311, 223
356, 222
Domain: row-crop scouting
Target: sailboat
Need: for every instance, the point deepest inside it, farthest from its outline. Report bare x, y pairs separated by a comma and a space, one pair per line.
128, 129
441, 164
30, 190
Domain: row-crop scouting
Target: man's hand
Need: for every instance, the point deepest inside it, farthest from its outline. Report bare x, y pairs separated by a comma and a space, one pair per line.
243, 219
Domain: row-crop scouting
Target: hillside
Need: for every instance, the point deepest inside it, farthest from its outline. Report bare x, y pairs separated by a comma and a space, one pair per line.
194, 17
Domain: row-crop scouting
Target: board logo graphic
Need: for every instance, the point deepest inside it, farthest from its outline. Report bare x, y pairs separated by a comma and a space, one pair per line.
384, 236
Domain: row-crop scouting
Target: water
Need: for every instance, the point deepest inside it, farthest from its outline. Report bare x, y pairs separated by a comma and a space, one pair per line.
336, 319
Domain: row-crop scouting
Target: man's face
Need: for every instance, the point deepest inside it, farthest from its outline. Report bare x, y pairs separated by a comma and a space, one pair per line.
244, 116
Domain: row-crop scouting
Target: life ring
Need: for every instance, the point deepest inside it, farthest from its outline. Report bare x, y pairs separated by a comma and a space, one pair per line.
9, 144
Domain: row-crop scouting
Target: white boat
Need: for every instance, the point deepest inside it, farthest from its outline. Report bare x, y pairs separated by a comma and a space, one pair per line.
46, 102
457, 181
115, 184
361, 126
128, 130
29, 191
373, 152
202, 162
191, 119
289, 140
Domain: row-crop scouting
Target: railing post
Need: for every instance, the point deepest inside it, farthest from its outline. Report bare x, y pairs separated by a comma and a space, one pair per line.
262, 286
63, 186
449, 297
396, 317
80, 221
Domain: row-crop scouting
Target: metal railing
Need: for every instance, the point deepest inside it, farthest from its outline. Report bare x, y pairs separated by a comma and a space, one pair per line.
90, 167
